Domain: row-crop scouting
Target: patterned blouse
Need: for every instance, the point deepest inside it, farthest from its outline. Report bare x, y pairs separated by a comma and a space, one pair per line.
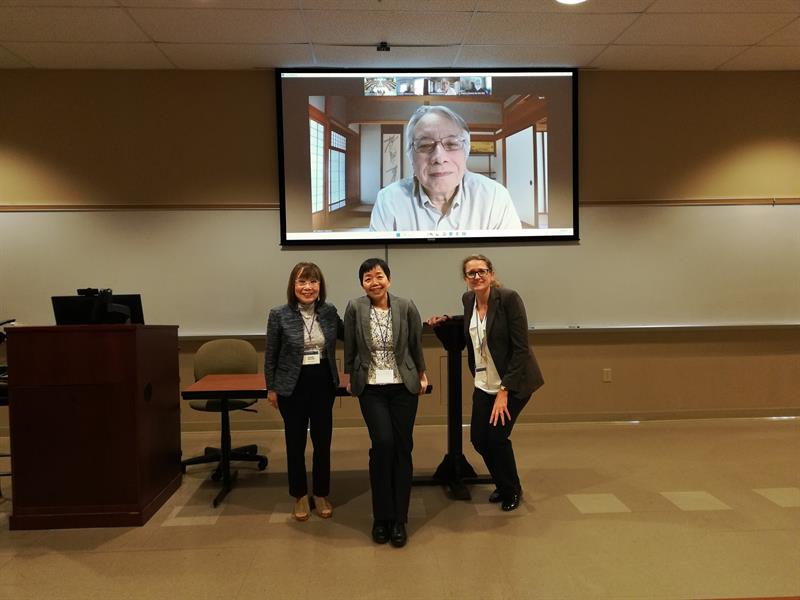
313, 338
381, 345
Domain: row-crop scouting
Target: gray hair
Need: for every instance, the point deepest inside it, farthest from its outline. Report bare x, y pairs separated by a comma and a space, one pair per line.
437, 110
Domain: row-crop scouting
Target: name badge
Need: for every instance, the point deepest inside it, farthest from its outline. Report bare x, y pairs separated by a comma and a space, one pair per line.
384, 376
311, 357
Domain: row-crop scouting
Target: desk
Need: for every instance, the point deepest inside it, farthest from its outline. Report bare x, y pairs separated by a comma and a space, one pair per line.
225, 388
95, 424
238, 387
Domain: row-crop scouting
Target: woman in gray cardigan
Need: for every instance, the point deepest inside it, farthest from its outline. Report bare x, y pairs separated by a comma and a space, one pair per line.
383, 355
301, 374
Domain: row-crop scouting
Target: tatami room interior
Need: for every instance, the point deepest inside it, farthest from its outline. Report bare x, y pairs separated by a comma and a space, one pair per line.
138, 151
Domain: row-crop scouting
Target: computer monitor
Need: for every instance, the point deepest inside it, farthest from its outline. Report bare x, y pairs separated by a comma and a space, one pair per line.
98, 309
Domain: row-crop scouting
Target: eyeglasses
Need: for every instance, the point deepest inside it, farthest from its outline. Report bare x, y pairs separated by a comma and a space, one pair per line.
477, 273
427, 145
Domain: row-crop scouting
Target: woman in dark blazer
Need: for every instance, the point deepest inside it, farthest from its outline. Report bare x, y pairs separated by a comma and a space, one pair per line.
505, 370
301, 374
383, 355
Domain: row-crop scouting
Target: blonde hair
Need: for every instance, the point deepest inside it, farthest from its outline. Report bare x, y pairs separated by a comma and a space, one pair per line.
495, 282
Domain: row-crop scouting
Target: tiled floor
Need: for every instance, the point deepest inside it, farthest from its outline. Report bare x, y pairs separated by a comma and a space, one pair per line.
688, 509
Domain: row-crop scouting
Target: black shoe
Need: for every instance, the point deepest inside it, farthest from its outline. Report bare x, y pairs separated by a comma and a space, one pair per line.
511, 502
495, 496
380, 532
399, 536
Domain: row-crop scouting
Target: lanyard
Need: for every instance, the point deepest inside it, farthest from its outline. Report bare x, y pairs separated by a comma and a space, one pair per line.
481, 339
311, 327
383, 328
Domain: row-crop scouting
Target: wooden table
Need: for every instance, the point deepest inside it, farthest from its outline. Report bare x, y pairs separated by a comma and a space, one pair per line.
239, 387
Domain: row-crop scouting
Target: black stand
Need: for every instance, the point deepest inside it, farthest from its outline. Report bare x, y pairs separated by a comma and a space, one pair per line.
455, 472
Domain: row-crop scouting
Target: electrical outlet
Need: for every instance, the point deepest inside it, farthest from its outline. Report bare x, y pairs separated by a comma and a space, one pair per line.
607, 376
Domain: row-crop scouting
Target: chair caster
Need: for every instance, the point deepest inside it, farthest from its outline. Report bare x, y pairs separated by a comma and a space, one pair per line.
262, 464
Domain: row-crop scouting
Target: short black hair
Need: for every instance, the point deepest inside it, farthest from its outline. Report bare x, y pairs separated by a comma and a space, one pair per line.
370, 264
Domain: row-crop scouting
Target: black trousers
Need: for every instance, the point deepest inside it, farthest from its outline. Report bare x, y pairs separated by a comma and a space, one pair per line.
492, 441
311, 402
390, 411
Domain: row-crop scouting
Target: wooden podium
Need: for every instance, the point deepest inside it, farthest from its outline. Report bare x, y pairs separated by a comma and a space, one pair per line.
94, 420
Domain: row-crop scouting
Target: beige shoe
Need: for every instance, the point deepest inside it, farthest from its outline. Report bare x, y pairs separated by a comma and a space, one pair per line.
324, 508
301, 512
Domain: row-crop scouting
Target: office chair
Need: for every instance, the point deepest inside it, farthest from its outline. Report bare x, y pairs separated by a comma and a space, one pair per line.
228, 356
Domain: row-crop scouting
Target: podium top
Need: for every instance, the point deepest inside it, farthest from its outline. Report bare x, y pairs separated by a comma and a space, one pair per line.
69, 328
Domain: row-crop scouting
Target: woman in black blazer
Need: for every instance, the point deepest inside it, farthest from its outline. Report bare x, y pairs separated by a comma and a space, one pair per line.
383, 355
505, 370
301, 374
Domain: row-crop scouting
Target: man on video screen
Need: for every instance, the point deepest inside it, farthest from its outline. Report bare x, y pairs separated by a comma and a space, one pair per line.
442, 195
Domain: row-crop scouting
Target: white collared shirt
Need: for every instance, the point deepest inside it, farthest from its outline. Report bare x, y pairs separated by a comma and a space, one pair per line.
486, 376
480, 203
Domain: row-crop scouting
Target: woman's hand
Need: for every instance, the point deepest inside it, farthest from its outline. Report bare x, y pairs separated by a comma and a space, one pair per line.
423, 383
272, 398
436, 321
500, 409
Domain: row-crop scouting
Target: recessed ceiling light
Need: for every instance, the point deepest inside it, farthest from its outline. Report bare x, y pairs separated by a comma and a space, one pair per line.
570, 1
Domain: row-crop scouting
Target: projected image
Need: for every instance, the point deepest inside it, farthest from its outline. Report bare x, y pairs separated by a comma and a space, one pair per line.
441, 193
380, 86
444, 86
477, 86
410, 86
432, 156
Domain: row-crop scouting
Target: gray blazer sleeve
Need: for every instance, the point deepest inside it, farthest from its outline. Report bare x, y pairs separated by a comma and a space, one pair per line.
415, 337
273, 347
350, 345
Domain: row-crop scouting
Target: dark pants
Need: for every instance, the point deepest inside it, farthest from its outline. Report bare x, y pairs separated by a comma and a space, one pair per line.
312, 401
492, 441
389, 411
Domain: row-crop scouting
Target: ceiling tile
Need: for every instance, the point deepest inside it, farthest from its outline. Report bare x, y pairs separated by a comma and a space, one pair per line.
48, 55
527, 56
665, 58
349, 56
238, 56
112, 3
9, 60
702, 29
392, 5
765, 58
725, 6
220, 26
205, 4
68, 25
788, 36
536, 6
371, 27
546, 28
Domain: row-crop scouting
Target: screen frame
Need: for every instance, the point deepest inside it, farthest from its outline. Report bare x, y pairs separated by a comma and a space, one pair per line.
476, 241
